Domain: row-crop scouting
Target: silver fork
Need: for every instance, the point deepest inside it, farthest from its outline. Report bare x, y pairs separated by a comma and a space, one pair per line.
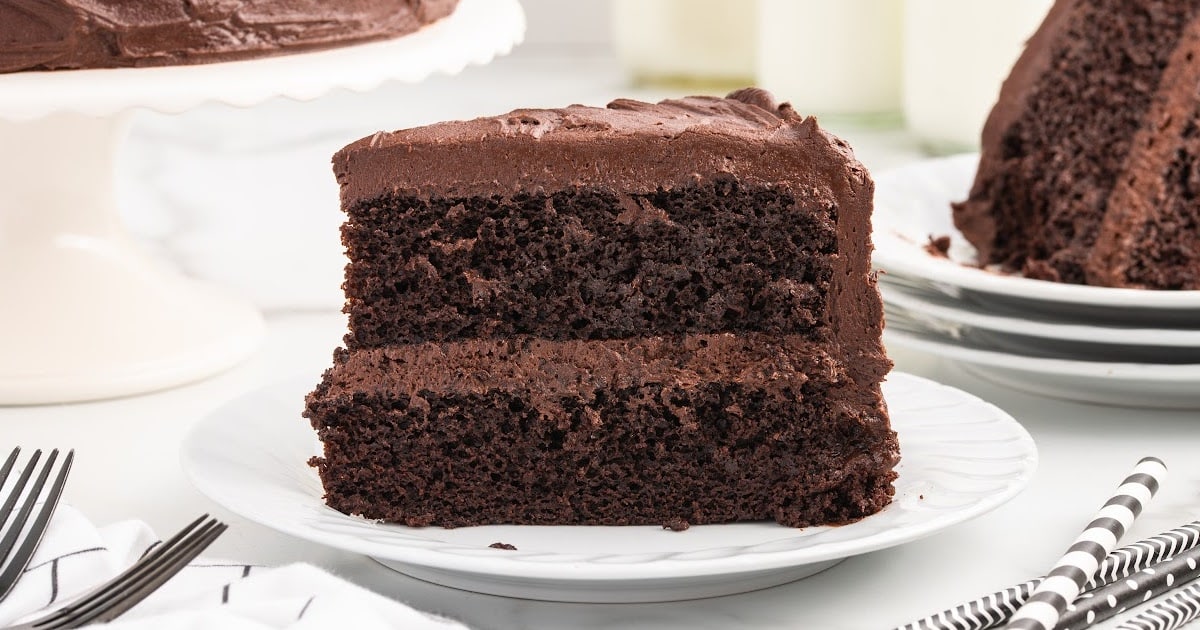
112, 599
19, 542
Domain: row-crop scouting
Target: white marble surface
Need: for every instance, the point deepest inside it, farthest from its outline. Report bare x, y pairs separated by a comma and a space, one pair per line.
245, 197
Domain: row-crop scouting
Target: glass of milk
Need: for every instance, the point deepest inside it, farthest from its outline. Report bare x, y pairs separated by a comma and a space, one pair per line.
838, 59
706, 44
956, 55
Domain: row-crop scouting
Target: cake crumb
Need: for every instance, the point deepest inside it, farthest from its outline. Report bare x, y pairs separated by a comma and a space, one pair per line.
938, 246
1040, 270
502, 545
676, 525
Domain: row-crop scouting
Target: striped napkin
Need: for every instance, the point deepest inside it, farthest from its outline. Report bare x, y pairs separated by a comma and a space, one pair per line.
75, 556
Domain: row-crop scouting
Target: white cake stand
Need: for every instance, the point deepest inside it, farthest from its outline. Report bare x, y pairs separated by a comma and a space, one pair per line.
83, 313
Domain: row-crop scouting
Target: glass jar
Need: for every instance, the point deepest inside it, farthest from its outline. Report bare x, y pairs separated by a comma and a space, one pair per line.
833, 58
703, 44
956, 55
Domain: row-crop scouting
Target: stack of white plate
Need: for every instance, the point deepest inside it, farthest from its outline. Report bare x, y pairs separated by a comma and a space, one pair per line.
1112, 346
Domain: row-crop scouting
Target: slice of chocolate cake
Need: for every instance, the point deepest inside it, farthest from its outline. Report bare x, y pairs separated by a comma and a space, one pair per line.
1090, 171
643, 314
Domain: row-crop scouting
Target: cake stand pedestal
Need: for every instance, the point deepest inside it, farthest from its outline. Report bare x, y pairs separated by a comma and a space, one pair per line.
83, 313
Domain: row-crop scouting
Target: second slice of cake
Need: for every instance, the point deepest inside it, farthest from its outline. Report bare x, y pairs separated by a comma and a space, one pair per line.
639, 314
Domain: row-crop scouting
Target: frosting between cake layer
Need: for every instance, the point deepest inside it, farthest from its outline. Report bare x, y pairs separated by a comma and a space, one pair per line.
579, 368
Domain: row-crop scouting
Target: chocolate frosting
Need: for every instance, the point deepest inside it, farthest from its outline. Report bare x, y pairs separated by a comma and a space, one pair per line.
550, 371
554, 369
73, 34
627, 146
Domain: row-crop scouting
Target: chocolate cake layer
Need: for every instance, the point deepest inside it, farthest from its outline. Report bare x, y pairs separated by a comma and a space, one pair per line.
694, 429
1076, 140
73, 34
588, 263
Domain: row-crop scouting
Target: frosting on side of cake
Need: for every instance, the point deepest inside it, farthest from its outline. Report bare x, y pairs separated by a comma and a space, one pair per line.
74, 34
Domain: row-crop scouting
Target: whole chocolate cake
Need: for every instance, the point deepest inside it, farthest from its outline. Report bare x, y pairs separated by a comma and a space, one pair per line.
1090, 171
640, 314
74, 34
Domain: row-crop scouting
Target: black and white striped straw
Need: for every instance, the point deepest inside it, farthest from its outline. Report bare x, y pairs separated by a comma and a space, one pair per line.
1177, 610
1081, 561
1153, 581
994, 609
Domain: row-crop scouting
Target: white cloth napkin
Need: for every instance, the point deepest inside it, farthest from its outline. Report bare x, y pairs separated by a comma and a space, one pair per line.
76, 556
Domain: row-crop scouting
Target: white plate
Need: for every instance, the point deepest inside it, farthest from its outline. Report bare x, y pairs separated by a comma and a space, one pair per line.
961, 458
1119, 384
1042, 336
474, 33
912, 203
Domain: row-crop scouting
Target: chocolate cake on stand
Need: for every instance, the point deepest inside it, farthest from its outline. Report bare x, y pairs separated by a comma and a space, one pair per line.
85, 314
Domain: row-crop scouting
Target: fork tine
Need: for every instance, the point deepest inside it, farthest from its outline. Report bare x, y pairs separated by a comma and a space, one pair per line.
122, 579
8, 465
18, 523
143, 565
41, 522
179, 535
138, 581
11, 500
168, 565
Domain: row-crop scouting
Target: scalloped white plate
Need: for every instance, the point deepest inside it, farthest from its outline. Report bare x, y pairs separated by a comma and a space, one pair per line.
961, 458
912, 203
1040, 336
1152, 385
475, 33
